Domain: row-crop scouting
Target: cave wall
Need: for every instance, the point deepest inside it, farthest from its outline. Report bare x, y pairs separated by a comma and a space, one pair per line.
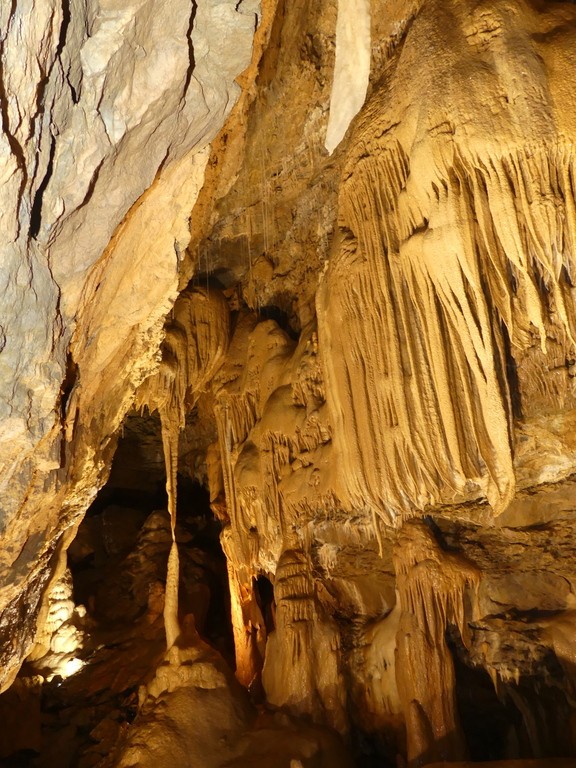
107, 110
376, 318
427, 390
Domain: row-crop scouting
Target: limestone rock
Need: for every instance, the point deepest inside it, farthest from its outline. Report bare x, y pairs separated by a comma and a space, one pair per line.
107, 109
363, 333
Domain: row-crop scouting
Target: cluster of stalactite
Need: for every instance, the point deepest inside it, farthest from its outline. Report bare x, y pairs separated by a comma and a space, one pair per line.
455, 249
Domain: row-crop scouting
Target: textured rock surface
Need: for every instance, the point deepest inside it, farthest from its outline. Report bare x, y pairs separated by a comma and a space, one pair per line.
433, 378
369, 362
105, 110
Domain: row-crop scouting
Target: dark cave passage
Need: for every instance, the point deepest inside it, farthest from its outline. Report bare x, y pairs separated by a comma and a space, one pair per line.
117, 578
264, 593
507, 719
118, 559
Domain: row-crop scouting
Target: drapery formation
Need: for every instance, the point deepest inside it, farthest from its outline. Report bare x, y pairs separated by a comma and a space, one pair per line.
453, 260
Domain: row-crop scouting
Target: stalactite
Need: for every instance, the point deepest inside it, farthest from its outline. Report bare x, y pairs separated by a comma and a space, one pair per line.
453, 225
430, 386
351, 69
195, 343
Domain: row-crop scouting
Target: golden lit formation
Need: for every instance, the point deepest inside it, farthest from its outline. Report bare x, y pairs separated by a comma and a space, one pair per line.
287, 383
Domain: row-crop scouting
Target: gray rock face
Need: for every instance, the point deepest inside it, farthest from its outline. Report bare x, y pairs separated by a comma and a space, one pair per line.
106, 107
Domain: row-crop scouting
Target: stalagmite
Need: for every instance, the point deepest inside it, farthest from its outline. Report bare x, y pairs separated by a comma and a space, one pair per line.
302, 671
61, 638
170, 435
196, 340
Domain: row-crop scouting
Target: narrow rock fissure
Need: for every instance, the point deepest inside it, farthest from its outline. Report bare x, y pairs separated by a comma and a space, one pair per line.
36, 210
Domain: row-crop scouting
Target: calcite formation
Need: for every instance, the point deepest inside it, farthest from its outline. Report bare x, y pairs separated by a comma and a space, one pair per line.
193, 349
356, 308
455, 230
61, 635
431, 593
